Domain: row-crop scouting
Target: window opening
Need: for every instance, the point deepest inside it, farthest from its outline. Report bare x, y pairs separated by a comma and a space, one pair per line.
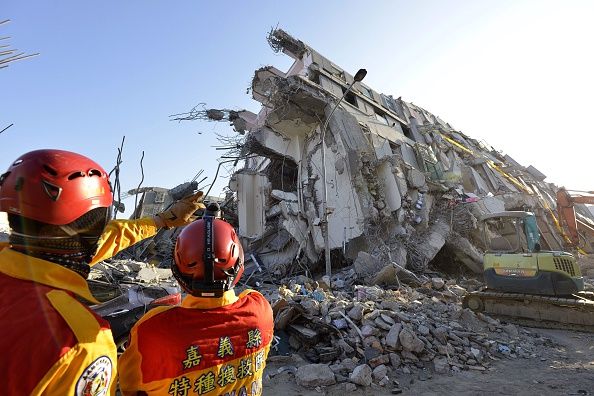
367, 92
350, 97
394, 147
407, 131
381, 116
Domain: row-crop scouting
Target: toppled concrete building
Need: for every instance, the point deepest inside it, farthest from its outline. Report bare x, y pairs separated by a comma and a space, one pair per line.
402, 184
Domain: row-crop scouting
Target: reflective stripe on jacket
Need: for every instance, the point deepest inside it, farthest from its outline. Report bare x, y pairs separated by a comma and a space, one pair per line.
212, 346
51, 343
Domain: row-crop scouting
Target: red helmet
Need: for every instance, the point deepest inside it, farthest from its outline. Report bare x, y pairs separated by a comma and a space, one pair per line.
208, 257
54, 187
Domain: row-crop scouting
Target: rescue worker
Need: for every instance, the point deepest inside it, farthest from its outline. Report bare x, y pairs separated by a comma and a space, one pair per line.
216, 342
58, 205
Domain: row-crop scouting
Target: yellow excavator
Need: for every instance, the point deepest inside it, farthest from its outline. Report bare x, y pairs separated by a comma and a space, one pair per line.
528, 285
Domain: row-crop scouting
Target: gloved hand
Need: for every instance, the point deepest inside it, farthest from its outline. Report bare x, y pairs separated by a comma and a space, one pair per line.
181, 212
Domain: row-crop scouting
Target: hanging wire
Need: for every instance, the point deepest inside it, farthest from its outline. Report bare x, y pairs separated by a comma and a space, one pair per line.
116, 184
141, 180
6, 128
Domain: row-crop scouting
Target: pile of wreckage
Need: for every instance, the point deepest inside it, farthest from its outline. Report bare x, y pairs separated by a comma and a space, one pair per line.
402, 184
370, 329
364, 335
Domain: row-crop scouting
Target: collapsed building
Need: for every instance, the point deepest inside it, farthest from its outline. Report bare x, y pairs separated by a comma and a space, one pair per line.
402, 184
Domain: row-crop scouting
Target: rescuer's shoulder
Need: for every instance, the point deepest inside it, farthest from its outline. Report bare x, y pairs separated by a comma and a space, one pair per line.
81, 320
256, 297
155, 312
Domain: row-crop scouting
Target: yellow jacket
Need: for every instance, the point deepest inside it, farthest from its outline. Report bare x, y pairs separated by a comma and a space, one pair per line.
53, 344
120, 234
213, 346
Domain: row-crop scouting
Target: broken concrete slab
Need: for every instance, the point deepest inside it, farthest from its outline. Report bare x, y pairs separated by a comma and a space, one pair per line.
154, 275
393, 335
466, 252
538, 175
416, 178
361, 375
366, 265
313, 375
283, 195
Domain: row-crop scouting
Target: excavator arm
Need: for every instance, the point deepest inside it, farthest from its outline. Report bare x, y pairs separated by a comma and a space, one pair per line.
565, 208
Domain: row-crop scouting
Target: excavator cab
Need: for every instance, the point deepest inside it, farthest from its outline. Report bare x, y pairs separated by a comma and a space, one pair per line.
514, 262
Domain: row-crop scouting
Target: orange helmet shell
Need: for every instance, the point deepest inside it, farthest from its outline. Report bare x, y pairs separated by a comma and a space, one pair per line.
192, 257
54, 186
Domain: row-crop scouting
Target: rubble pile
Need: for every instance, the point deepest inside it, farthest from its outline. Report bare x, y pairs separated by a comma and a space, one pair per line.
367, 335
131, 271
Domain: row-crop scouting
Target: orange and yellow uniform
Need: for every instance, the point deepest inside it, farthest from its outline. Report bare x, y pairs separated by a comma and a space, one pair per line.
206, 346
52, 344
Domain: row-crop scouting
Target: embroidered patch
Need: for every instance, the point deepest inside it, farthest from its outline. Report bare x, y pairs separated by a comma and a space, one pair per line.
96, 378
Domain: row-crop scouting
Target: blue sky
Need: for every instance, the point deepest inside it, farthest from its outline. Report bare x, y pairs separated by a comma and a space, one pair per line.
515, 74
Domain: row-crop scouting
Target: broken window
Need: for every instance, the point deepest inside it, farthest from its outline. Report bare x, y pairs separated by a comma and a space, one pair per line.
389, 103
395, 148
428, 161
350, 97
367, 92
381, 116
314, 76
407, 131
282, 173
502, 234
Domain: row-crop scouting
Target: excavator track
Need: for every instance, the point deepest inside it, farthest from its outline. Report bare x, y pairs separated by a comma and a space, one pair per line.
574, 312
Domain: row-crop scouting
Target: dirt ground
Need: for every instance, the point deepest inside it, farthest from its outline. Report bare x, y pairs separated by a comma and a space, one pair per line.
567, 368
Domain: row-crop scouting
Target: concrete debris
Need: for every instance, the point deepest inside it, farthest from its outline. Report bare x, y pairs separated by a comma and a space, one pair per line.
361, 375
410, 341
403, 185
312, 375
152, 274
284, 196
393, 335
366, 265
380, 372
437, 283
441, 365
368, 335
350, 387
132, 271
